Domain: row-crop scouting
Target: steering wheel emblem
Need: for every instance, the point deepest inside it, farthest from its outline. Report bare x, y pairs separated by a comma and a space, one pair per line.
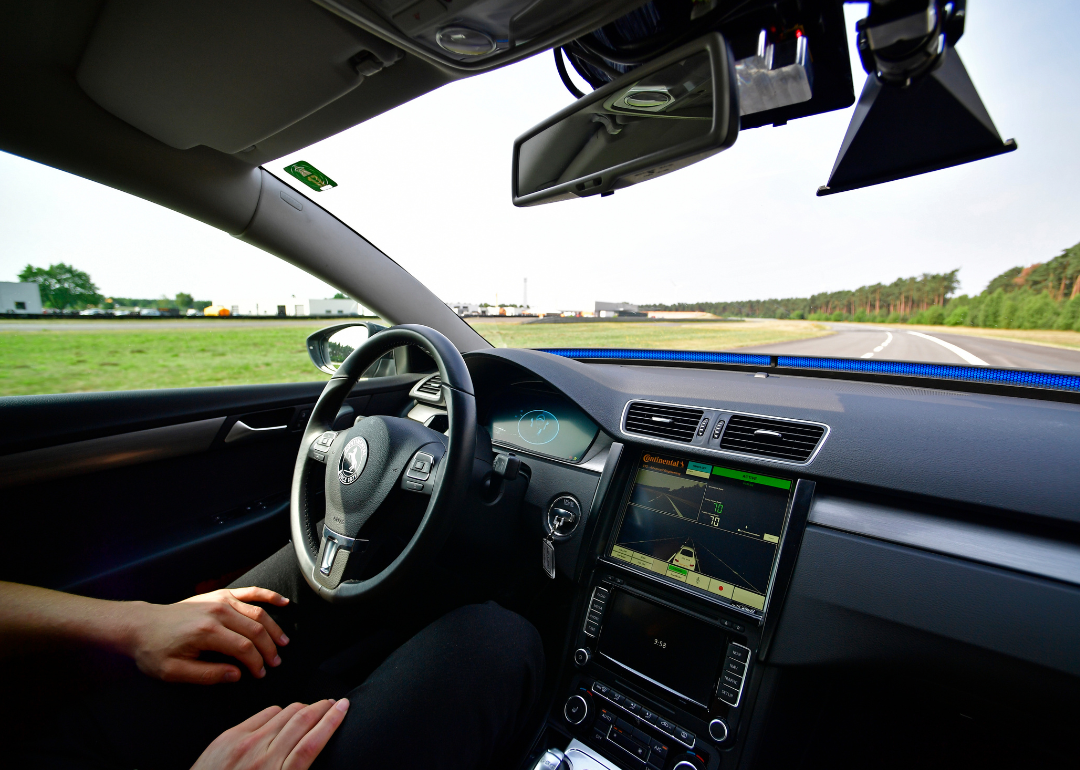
352, 461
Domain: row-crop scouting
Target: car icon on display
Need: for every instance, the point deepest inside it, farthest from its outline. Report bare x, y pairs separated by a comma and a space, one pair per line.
685, 557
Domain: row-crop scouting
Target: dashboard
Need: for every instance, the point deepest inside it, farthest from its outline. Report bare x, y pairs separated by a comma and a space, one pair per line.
734, 527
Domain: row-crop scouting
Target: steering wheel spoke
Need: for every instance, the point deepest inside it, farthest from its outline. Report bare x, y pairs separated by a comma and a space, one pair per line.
321, 446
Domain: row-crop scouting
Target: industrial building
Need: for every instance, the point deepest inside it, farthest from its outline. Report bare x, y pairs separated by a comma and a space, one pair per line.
615, 309
20, 298
291, 306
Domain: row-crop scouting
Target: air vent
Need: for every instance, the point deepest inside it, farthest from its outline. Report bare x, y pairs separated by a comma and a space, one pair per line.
432, 386
428, 390
779, 439
673, 423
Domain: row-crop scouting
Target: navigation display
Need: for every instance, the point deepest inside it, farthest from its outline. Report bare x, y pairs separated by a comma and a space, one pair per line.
713, 528
541, 422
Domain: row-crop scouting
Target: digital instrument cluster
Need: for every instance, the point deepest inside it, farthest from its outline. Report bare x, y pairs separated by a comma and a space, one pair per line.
541, 422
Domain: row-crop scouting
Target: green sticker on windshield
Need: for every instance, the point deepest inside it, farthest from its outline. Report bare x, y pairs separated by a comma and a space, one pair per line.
310, 176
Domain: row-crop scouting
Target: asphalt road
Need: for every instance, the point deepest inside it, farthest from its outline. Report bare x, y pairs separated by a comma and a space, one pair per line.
889, 343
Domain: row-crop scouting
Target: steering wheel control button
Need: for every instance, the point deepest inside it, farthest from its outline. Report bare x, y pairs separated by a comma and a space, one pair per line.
320, 447
718, 730
576, 709
581, 657
419, 474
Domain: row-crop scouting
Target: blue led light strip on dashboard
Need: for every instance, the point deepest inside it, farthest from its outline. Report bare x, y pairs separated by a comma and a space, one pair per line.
1016, 378
1051, 381
680, 356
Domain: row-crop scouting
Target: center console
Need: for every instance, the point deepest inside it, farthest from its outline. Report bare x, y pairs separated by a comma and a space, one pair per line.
676, 611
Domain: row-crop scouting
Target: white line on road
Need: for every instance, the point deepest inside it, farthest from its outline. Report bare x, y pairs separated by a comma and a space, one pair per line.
959, 351
879, 348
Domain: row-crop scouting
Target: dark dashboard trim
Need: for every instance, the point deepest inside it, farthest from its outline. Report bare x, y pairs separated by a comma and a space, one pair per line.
911, 380
1017, 551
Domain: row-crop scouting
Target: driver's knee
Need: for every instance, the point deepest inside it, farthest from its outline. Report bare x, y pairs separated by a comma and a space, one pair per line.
449, 698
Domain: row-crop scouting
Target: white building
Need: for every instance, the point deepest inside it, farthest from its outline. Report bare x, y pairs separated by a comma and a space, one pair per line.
335, 307
20, 298
291, 306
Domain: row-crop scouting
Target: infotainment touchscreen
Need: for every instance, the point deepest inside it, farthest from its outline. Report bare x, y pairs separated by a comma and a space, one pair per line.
714, 529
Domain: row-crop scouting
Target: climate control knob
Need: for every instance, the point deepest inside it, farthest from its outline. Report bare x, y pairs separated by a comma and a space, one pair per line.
576, 708
718, 730
689, 762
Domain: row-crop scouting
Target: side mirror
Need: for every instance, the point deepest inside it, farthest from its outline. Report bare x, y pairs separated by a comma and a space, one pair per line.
330, 347
674, 111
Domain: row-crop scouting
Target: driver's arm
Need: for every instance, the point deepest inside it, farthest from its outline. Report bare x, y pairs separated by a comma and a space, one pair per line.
164, 640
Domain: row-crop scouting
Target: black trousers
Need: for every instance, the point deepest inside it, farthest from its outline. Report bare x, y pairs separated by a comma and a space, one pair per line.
451, 697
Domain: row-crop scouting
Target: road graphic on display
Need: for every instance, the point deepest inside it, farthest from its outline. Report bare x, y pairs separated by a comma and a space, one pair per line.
681, 516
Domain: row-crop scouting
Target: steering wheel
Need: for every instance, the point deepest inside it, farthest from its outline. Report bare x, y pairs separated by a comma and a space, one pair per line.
366, 462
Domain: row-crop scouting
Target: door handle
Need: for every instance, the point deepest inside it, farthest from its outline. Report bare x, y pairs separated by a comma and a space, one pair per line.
241, 431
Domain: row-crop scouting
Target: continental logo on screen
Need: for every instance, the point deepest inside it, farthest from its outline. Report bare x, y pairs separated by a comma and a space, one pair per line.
671, 464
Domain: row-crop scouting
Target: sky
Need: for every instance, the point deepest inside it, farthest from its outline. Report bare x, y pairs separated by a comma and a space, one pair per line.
429, 184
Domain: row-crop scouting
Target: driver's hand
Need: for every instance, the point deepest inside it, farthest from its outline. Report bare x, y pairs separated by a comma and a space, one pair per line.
166, 640
276, 739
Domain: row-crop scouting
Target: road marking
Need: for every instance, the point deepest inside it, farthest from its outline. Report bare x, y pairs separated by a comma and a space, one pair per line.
959, 351
879, 348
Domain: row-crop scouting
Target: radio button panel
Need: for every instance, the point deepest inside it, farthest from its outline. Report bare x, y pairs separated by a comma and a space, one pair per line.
734, 677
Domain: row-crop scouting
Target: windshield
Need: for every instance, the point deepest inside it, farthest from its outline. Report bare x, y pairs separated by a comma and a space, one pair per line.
732, 260
973, 265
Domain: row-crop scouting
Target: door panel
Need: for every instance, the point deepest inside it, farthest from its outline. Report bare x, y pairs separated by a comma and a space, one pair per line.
140, 495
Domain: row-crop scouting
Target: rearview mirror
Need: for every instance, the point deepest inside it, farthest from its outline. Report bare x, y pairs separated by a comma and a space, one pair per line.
674, 111
330, 347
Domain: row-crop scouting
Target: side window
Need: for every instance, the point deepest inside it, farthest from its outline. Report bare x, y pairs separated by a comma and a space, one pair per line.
100, 291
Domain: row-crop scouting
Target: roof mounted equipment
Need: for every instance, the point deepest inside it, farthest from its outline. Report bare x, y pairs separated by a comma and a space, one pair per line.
919, 111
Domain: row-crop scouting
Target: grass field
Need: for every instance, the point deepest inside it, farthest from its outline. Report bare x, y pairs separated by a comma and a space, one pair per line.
663, 335
73, 356
73, 360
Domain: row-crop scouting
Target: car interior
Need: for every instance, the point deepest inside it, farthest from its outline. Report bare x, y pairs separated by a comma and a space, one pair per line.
896, 580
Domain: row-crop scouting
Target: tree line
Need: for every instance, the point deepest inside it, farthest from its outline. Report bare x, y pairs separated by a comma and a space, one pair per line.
1045, 295
64, 287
